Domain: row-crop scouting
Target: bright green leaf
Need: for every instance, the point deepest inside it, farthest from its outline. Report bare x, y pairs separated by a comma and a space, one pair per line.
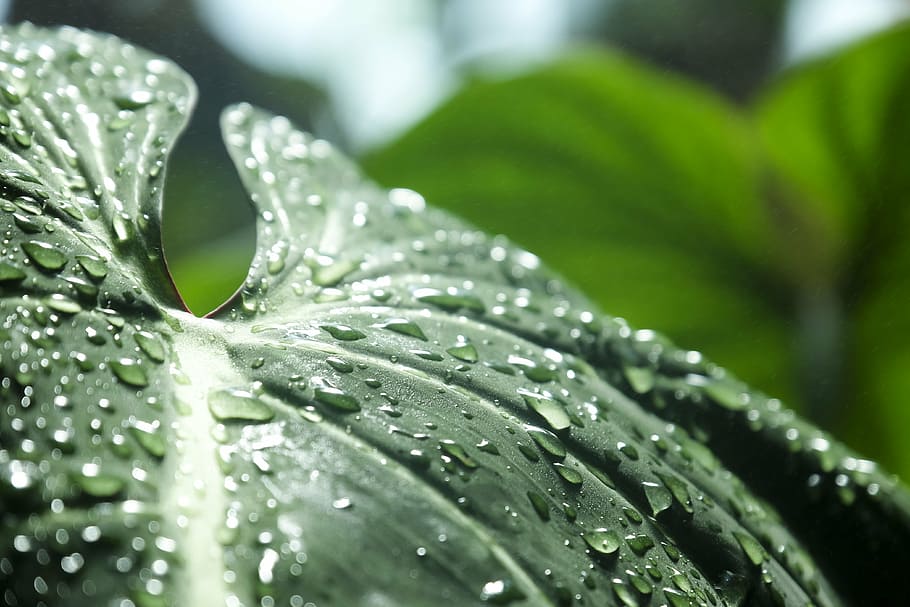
837, 133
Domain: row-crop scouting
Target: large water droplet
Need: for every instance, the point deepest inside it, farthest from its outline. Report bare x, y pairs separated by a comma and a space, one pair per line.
751, 547
93, 266
540, 505
238, 405
44, 255
149, 437
604, 541
98, 484
151, 345
623, 593
465, 352
552, 411
130, 372
332, 273
458, 452
337, 399
547, 441
641, 379
658, 497
343, 332
405, 327
63, 304
679, 490
340, 364
10, 273
639, 543
570, 475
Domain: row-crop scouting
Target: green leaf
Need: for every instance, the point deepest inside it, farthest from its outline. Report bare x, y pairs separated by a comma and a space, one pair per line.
328, 436
644, 190
837, 133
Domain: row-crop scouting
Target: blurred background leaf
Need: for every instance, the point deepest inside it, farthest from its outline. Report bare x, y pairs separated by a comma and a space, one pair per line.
715, 170
837, 133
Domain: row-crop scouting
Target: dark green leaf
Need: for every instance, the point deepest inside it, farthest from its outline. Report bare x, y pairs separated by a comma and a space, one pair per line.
310, 443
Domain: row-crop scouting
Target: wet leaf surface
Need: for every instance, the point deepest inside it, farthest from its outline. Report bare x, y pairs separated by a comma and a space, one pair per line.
396, 409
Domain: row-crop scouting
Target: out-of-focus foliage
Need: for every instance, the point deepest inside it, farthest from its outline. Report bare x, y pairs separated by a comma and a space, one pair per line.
730, 45
772, 239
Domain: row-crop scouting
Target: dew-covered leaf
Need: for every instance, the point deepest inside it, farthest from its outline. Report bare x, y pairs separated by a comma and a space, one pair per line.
396, 409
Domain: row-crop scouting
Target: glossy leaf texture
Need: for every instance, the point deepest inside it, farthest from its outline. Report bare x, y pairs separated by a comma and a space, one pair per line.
396, 409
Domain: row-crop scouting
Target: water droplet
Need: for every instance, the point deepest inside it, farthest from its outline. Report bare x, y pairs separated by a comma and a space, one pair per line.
122, 226
63, 304
23, 138
676, 598
134, 100
343, 332
623, 593
632, 515
627, 450
539, 374
129, 372
754, 550
552, 411
679, 490
44, 255
337, 399
458, 452
10, 273
540, 505
405, 327
340, 364
465, 352
427, 355
342, 503
604, 541
149, 437
332, 273
547, 441
529, 452
501, 592
570, 475
639, 543
238, 405
640, 378
682, 582
658, 497
97, 484
27, 224
93, 266
641, 584
726, 394
672, 551
487, 447
151, 345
